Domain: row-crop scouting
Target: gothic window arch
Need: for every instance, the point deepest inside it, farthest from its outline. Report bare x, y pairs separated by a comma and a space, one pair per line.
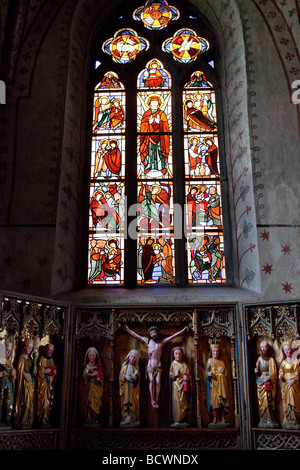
155, 192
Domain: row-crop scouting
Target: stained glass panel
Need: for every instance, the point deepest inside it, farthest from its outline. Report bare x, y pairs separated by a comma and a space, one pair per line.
109, 112
198, 79
200, 110
107, 207
156, 14
205, 253
155, 180
203, 205
125, 45
107, 212
185, 45
154, 76
201, 156
156, 259
106, 260
203, 214
110, 80
154, 119
108, 157
155, 202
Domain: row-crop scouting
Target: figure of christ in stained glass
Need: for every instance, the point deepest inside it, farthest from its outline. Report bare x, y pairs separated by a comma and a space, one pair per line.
155, 259
205, 258
154, 76
154, 202
201, 156
154, 126
109, 112
105, 260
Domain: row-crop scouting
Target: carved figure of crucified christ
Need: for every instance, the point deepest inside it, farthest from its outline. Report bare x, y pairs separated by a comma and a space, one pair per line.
154, 368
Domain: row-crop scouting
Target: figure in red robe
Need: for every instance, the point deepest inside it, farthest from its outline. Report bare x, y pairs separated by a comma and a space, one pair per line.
155, 78
113, 158
196, 119
154, 141
212, 155
102, 213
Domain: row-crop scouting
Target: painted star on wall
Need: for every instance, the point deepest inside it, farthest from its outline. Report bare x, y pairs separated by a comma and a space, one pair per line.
265, 235
287, 287
286, 249
267, 269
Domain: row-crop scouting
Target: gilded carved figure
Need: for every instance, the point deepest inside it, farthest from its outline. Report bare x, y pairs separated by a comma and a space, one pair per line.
217, 389
8, 375
290, 387
93, 385
180, 389
46, 380
154, 368
25, 389
266, 380
129, 382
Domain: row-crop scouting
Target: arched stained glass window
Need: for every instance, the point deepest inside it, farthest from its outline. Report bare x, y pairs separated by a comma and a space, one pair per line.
155, 154
107, 183
204, 224
155, 180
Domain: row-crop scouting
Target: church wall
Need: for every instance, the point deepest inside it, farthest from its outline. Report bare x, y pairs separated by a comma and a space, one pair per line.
271, 34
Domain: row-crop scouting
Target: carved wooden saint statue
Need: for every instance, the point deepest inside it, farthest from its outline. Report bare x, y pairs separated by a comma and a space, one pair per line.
180, 389
289, 373
8, 376
217, 390
46, 381
266, 379
129, 382
25, 389
93, 384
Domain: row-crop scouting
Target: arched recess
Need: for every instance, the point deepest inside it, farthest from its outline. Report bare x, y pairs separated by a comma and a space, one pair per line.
226, 22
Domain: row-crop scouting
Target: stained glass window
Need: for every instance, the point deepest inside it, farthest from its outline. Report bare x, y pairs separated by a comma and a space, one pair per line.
167, 161
155, 181
107, 183
125, 45
156, 14
185, 45
204, 224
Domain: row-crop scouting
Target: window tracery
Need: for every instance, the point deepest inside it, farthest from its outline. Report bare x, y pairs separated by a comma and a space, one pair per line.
159, 210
